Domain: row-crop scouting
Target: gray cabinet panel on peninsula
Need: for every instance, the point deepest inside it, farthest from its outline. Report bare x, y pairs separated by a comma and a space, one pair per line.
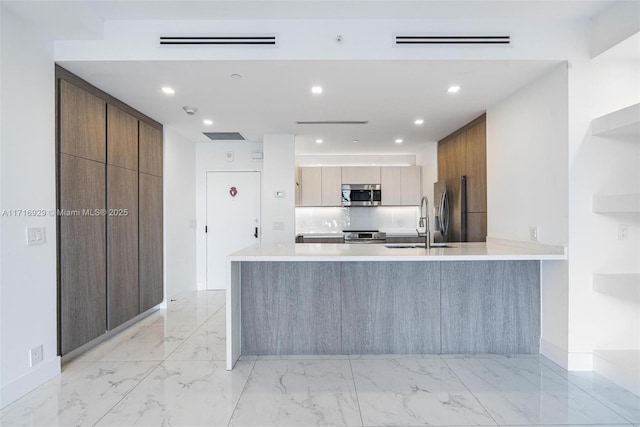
291, 308
390, 307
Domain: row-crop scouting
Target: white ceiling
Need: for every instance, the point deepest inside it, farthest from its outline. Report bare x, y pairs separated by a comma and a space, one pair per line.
273, 95
75, 19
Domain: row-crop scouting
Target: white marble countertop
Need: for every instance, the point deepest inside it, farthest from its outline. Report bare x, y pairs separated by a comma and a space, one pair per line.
493, 250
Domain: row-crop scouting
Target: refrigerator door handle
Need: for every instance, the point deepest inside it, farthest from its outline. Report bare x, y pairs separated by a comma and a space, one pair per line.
444, 213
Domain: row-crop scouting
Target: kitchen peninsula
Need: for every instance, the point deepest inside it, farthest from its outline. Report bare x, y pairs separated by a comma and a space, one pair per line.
327, 299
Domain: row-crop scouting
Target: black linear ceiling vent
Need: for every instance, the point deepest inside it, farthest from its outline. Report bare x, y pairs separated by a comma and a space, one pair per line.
220, 40
224, 136
333, 122
469, 40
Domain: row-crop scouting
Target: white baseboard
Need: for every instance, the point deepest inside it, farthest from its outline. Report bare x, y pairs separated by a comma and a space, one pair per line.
580, 362
29, 382
621, 366
556, 354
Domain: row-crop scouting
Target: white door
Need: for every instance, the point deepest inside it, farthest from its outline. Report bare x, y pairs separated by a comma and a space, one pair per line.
233, 219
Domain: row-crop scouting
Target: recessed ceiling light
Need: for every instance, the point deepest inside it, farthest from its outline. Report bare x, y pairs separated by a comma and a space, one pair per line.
207, 122
419, 121
398, 141
318, 141
236, 76
168, 90
316, 89
355, 140
453, 89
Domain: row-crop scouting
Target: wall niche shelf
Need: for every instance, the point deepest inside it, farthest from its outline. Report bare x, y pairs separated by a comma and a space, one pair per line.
623, 122
621, 285
616, 203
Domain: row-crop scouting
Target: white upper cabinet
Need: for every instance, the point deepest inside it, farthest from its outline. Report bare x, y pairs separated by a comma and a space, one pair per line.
401, 185
391, 185
310, 186
320, 186
411, 180
331, 185
361, 175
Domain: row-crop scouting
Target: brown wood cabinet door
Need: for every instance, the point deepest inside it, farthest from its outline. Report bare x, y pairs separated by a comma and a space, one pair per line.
476, 226
122, 138
82, 123
122, 245
150, 150
476, 168
445, 159
82, 252
150, 228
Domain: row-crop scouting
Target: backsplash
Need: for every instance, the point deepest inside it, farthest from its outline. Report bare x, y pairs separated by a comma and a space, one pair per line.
332, 219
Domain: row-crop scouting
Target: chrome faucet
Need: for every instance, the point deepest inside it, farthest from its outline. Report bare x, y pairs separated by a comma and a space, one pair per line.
424, 222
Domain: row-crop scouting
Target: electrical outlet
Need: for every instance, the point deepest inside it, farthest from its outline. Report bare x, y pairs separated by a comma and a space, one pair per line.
35, 355
623, 232
533, 233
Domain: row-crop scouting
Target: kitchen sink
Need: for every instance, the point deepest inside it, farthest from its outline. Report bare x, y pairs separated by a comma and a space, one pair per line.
415, 245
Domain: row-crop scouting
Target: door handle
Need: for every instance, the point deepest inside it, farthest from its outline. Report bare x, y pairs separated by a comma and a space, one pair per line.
255, 234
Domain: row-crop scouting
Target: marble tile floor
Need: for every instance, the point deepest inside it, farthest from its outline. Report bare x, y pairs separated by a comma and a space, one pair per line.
169, 370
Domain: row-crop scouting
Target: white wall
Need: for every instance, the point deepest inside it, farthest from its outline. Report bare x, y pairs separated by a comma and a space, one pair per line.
212, 156
527, 158
527, 185
179, 213
278, 176
27, 152
356, 160
614, 25
602, 165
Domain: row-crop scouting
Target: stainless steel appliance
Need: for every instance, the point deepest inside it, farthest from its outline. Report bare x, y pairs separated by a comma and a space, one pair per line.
361, 195
450, 204
364, 236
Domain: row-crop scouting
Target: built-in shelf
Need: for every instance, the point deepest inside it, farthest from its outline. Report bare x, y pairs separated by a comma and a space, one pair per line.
616, 203
620, 366
623, 122
625, 286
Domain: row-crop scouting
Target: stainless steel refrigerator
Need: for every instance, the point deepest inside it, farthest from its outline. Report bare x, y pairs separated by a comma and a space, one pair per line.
450, 204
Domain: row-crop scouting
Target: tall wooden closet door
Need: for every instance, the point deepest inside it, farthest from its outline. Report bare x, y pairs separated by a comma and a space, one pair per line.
122, 245
82, 123
82, 252
150, 226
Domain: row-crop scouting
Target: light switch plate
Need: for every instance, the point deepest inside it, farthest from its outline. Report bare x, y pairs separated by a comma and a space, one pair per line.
278, 225
36, 236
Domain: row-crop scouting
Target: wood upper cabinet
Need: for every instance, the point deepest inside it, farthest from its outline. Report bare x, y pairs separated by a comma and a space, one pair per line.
411, 190
331, 186
122, 245
82, 123
82, 249
310, 186
150, 150
122, 138
476, 168
391, 185
465, 153
150, 235
361, 175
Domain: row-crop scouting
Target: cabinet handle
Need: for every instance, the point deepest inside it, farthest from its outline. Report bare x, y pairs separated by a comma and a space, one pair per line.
255, 234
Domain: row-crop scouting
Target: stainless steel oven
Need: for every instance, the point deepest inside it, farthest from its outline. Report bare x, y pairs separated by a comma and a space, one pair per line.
361, 195
364, 236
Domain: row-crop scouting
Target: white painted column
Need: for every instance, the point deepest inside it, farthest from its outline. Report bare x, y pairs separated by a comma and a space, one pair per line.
278, 189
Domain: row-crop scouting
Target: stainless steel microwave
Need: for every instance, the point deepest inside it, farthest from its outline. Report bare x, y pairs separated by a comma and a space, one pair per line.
361, 195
